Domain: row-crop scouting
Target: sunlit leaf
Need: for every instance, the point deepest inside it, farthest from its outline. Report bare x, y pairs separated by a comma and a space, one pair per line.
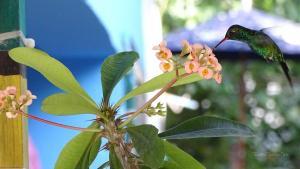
74, 151
157, 83
95, 148
180, 158
207, 126
67, 104
170, 164
53, 70
114, 161
91, 153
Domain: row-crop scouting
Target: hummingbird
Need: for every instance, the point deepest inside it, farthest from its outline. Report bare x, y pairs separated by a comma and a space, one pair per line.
260, 43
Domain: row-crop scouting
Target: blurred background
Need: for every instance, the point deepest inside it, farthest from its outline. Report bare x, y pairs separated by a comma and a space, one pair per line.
253, 91
82, 33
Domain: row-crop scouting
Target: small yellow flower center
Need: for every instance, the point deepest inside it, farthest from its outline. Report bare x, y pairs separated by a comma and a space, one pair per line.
167, 66
191, 66
205, 72
163, 55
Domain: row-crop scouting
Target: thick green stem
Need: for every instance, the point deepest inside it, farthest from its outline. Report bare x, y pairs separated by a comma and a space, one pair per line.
149, 102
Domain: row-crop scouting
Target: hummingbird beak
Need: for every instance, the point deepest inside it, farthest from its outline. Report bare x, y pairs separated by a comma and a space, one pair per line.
226, 38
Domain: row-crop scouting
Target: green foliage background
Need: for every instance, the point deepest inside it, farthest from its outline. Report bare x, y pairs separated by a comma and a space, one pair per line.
277, 141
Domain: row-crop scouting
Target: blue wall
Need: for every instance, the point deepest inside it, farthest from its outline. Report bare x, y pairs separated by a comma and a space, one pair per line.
80, 34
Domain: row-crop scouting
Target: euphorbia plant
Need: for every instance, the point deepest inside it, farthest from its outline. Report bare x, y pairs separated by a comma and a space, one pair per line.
152, 150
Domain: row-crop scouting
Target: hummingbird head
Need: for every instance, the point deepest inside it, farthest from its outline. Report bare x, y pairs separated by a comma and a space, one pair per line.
234, 33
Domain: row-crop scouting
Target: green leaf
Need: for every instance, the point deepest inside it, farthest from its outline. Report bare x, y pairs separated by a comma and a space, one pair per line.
95, 148
148, 145
91, 153
114, 160
74, 151
53, 70
157, 83
180, 158
207, 126
170, 164
67, 104
114, 68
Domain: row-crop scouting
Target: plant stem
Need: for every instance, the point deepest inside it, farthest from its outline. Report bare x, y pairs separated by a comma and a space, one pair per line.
149, 102
57, 124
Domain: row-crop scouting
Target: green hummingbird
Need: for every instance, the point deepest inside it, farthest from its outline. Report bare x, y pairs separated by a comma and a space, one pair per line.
260, 43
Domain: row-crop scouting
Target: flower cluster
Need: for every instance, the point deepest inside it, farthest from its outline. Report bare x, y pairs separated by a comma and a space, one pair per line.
195, 58
164, 54
10, 104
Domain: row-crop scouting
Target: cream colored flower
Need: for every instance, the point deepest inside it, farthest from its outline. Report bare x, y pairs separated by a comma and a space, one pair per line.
11, 90
164, 53
218, 78
10, 105
186, 49
26, 99
208, 50
205, 72
166, 66
191, 66
196, 50
161, 45
11, 115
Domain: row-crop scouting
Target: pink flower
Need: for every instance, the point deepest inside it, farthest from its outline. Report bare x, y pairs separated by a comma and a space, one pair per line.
166, 66
191, 66
10, 105
218, 78
200, 58
196, 51
187, 48
212, 60
30, 95
26, 99
208, 50
11, 90
2, 95
161, 45
218, 67
22, 99
197, 47
205, 72
163, 53
1, 104
203, 61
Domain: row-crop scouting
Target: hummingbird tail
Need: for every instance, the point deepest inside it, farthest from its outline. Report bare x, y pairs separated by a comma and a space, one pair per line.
286, 72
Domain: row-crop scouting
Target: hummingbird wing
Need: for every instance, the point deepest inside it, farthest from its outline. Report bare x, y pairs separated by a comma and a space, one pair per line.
264, 46
271, 28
